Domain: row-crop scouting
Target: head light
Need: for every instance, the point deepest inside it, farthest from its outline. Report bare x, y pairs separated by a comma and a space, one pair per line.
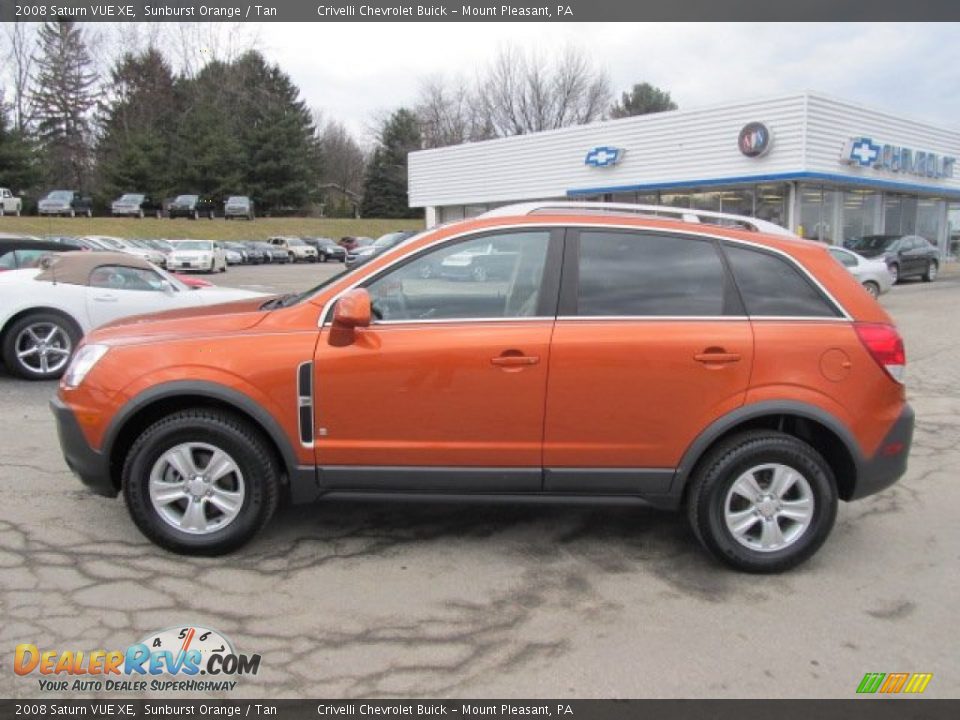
82, 363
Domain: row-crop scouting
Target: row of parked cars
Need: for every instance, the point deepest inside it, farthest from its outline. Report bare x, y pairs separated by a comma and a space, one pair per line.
71, 203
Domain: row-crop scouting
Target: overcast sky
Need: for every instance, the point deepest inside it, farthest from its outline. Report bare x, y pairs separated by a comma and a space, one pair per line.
355, 71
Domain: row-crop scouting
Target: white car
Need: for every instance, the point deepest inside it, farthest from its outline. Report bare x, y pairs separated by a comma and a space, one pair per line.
125, 246
10, 204
873, 274
45, 311
296, 248
202, 255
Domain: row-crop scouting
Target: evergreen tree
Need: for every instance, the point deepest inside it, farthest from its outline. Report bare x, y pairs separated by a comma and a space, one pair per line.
63, 98
385, 182
18, 166
642, 99
138, 123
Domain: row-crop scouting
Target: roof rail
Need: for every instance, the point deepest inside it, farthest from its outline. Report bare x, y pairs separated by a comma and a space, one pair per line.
683, 214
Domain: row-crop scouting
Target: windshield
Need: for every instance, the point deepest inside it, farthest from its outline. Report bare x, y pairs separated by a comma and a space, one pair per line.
237, 200
60, 195
132, 198
295, 241
111, 243
195, 245
873, 242
186, 199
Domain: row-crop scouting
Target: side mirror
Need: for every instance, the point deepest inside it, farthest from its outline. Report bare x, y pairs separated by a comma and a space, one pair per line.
353, 309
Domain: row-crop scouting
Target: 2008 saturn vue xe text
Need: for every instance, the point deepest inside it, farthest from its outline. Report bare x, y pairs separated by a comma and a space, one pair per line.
704, 362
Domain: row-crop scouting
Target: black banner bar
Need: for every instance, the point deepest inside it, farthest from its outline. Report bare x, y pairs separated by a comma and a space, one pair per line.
873, 708
459, 11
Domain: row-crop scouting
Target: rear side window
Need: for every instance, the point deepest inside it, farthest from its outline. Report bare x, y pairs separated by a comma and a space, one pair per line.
772, 286
634, 274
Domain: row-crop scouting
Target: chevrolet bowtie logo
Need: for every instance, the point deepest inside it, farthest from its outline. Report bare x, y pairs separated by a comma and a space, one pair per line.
603, 156
863, 151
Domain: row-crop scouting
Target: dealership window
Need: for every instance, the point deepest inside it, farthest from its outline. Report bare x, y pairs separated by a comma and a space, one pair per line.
861, 213
900, 214
930, 214
681, 200
706, 201
738, 201
953, 231
817, 213
771, 203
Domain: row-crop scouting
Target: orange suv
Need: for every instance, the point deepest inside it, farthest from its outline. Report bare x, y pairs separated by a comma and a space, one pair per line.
558, 351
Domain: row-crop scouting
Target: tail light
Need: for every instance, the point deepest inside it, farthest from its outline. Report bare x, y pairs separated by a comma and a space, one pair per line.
885, 345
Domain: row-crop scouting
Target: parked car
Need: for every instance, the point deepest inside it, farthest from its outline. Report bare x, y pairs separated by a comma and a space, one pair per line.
874, 274
65, 202
479, 263
238, 206
192, 206
366, 252
297, 249
272, 253
118, 244
738, 373
241, 250
136, 205
905, 255
349, 242
10, 204
327, 249
233, 257
256, 255
17, 252
204, 255
45, 311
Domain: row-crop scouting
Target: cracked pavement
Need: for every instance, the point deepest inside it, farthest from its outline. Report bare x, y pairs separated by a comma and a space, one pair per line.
348, 600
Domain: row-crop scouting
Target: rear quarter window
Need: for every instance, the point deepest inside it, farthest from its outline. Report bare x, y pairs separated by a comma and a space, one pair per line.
773, 286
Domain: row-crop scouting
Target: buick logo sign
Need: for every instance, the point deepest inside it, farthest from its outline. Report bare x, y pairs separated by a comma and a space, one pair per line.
755, 139
604, 156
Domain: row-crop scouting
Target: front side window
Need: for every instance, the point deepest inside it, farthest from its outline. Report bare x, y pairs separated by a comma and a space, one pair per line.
636, 274
845, 258
118, 277
497, 276
772, 286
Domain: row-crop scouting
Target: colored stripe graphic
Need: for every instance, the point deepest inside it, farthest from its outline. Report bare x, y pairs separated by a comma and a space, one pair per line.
871, 682
892, 683
918, 682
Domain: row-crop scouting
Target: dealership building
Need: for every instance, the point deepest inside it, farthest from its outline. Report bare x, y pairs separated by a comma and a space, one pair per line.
828, 169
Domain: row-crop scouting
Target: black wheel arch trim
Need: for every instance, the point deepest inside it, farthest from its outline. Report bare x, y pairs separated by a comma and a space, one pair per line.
745, 413
302, 479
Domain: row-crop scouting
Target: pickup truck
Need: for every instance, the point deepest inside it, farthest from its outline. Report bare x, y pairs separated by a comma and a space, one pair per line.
9, 203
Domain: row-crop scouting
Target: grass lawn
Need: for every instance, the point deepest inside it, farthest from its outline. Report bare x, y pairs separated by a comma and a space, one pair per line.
218, 229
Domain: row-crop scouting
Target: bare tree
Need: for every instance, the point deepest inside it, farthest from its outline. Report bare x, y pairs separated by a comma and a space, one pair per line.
193, 45
449, 114
343, 159
22, 41
523, 93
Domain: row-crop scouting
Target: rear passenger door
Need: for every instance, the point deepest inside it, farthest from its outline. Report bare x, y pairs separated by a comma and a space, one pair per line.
651, 344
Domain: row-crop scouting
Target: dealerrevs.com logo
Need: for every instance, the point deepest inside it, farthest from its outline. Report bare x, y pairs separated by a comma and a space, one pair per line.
181, 659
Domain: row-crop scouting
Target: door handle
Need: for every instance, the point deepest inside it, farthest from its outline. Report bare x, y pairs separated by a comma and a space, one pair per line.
717, 357
105, 298
515, 360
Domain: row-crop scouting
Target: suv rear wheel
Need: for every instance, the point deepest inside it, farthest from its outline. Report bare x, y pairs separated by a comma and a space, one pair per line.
763, 501
200, 481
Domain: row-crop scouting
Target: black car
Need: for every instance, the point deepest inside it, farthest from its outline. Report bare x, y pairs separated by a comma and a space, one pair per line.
192, 206
17, 252
273, 253
136, 205
327, 249
243, 250
905, 255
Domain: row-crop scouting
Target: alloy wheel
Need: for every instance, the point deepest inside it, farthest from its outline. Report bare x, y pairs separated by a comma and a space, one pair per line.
43, 348
769, 507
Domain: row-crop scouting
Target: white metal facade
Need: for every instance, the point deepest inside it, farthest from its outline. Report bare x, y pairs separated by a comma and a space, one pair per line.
682, 149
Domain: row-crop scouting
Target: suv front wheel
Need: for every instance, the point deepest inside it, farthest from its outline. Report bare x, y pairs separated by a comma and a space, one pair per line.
200, 482
762, 501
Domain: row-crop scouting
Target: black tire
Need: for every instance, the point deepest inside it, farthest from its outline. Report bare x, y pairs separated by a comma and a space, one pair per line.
213, 215
895, 272
931, 272
223, 430
10, 338
871, 287
721, 468
196, 215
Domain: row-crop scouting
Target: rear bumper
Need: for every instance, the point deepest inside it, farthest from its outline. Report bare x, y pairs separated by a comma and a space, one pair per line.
890, 461
90, 466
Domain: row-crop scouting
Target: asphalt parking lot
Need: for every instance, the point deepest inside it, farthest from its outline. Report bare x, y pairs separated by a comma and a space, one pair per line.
365, 600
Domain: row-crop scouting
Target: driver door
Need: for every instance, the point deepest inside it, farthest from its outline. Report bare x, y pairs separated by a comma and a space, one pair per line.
116, 291
445, 390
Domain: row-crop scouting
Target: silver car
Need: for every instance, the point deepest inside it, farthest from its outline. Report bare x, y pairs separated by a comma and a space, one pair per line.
874, 275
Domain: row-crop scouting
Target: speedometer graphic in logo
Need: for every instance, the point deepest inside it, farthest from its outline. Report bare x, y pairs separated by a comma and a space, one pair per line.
185, 638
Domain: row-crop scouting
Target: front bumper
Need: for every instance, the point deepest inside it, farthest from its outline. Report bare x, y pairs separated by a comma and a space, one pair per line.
89, 465
889, 463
